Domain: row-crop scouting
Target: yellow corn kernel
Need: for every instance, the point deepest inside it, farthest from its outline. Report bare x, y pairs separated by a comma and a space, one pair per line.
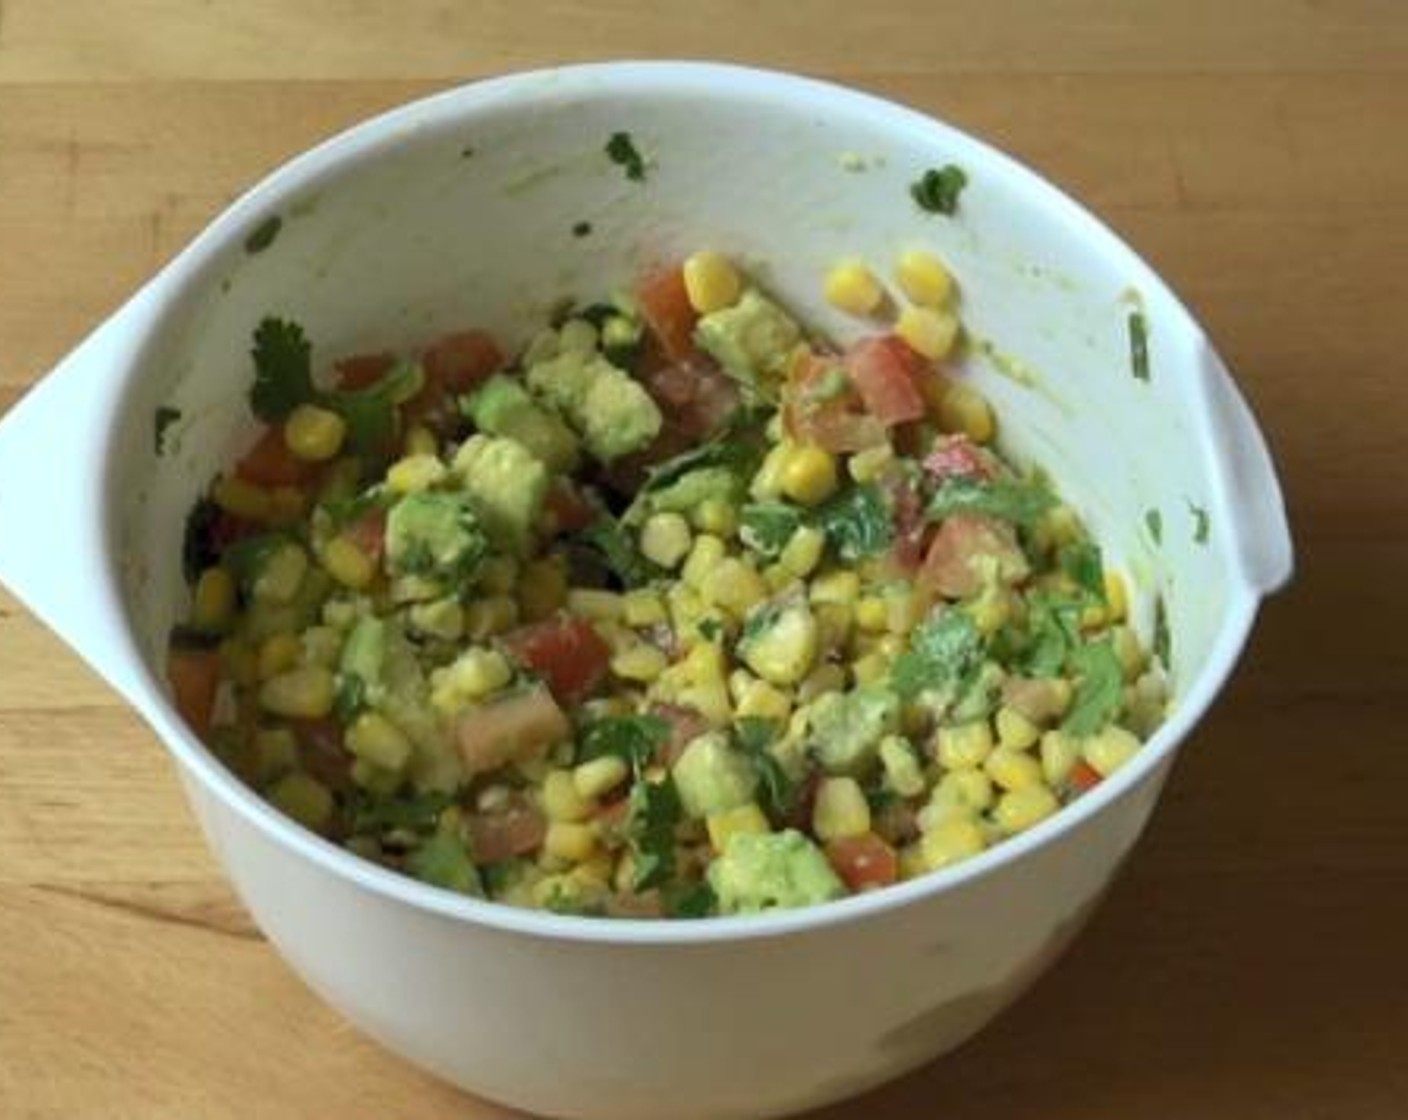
348, 564
965, 746
542, 589
375, 738
872, 615
491, 615
599, 775
277, 654
778, 578
415, 473
1058, 526
1014, 730
419, 440
710, 281
618, 637
725, 825
498, 575
763, 701
840, 810
561, 799
665, 539
687, 610
823, 679
303, 798
321, 645
570, 841
1059, 754
990, 611
923, 278
642, 662
243, 499
867, 465
704, 557
314, 434
852, 288
783, 653
1108, 750
717, 516
809, 475
1012, 769
734, 585
282, 575
963, 409
643, 608
837, 586
478, 672
870, 668
928, 332
213, 602
962, 793
1130, 653
598, 606
903, 774
304, 692
802, 552
903, 610
834, 622
1116, 598
239, 663
954, 840
287, 504
1019, 809
767, 483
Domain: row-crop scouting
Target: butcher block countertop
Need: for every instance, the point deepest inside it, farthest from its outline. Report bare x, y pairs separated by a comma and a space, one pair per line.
1251, 962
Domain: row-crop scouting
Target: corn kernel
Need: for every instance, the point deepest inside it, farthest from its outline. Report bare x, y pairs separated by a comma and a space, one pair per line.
492, 615
1108, 750
1019, 809
665, 539
213, 602
440, 618
823, 679
590, 603
243, 499
872, 615
834, 622
1116, 598
952, 841
1012, 769
1058, 526
704, 557
322, 645
965, 746
643, 608
809, 475
277, 654
348, 564
419, 440
728, 823
923, 278
314, 434
1059, 754
1015, 730
542, 589
763, 701
282, 575
375, 738
710, 281
599, 775
958, 793
642, 662
840, 810
498, 575
415, 473
767, 483
304, 692
783, 653
802, 552
870, 668
1128, 651
717, 516
927, 332
903, 774
852, 288
303, 798
868, 465
561, 799
837, 586
778, 578
963, 409
473, 675
618, 637
734, 585
570, 841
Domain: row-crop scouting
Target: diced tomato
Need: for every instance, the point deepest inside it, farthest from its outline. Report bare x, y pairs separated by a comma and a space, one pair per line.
270, 463
884, 371
569, 508
322, 751
195, 676
520, 726
694, 395
686, 725
864, 862
362, 370
515, 831
664, 304
910, 527
462, 360
956, 456
566, 652
1083, 777
368, 533
950, 568
833, 417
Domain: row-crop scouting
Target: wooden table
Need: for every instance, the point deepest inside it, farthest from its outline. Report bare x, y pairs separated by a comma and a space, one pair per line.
1253, 960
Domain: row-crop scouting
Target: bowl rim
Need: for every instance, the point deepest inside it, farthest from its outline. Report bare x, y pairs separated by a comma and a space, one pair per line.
369, 139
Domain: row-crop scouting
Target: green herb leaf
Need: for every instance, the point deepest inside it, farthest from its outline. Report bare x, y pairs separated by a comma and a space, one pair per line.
413, 813
1139, 345
710, 629
766, 527
370, 413
618, 550
162, 419
1082, 562
857, 523
283, 369
692, 900
1021, 503
443, 862
622, 150
1053, 628
1154, 522
634, 739
944, 650
1202, 524
263, 235
653, 814
1163, 640
937, 190
753, 735
1100, 690
349, 697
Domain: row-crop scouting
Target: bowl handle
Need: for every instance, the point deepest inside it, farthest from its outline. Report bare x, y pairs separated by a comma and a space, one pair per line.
55, 553
1260, 528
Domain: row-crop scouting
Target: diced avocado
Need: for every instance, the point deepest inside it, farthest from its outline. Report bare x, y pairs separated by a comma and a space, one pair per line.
847, 727
363, 654
506, 484
712, 776
772, 870
436, 535
503, 407
751, 340
614, 414
694, 488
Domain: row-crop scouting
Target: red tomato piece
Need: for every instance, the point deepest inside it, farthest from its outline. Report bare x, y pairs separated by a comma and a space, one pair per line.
270, 463
830, 415
322, 752
194, 675
566, 652
694, 395
686, 725
910, 528
516, 831
361, 370
570, 509
462, 360
1083, 777
664, 304
956, 456
523, 725
368, 533
864, 862
949, 567
884, 371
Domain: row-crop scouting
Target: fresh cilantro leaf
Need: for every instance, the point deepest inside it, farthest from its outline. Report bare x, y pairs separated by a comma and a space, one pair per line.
857, 523
693, 900
979, 693
937, 190
653, 814
634, 739
710, 629
581, 229
1021, 503
1202, 524
1154, 522
1139, 345
443, 862
753, 735
618, 550
1099, 691
1081, 561
349, 697
943, 651
416, 813
766, 527
370, 413
1163, 640
162, 419
737, 451
622, 151
283, 369
264, 234
1053, 628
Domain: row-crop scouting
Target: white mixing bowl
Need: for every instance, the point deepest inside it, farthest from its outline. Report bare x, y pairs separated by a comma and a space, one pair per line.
459, 210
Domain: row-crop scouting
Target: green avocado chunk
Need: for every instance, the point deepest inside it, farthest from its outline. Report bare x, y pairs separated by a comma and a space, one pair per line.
751, 340
612, 411
766, 871
847, 727
506, 484
503, 407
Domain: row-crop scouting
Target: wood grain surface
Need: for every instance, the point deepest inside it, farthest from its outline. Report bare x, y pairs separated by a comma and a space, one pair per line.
1251, 963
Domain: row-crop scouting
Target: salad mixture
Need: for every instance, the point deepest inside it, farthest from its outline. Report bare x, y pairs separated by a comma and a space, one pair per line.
679, 611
